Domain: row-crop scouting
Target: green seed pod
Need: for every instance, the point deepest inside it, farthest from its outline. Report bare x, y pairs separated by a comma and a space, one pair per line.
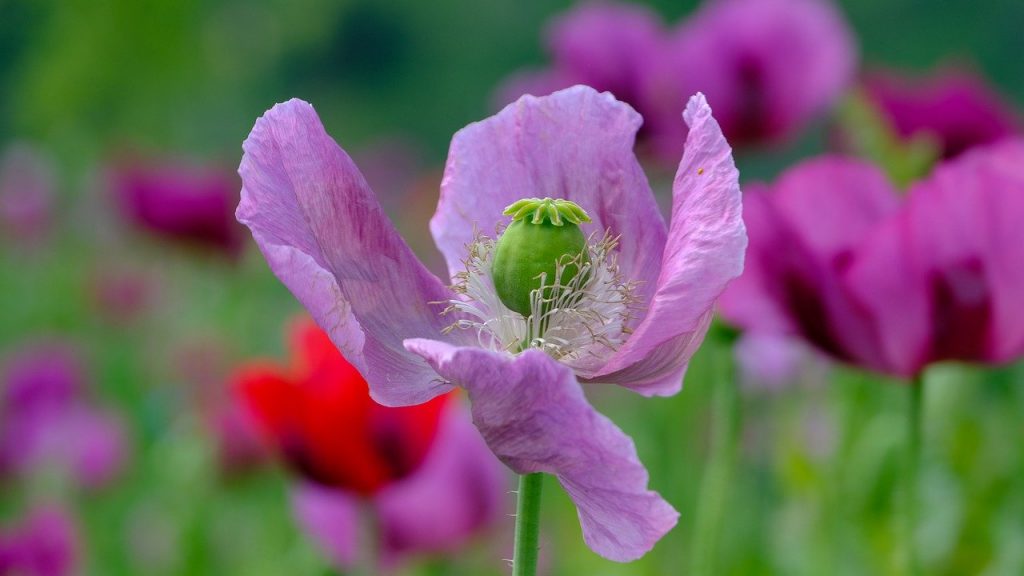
543, 234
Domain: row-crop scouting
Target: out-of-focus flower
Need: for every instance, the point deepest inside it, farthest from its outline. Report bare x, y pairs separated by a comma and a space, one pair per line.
423, 470
179, 201
604, 45
634, 317
121, 294
767, 66
26, 194
45, 544
768, 361
45, 421
838, 258
954, 107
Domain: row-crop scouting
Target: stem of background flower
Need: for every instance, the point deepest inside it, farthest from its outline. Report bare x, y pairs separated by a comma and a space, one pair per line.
913, 460
717, 481
368, 539
527, 547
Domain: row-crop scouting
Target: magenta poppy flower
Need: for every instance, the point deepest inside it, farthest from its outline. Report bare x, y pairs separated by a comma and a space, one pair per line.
179, 201
636, 308
423, 470
604, 45
45, 544
839, 258
26, 194
955, 107
768, 67
45, 420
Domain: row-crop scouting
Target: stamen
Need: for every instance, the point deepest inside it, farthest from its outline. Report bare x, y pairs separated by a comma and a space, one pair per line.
577, 321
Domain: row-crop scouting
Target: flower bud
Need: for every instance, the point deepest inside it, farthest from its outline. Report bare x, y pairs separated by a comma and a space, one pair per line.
543, 247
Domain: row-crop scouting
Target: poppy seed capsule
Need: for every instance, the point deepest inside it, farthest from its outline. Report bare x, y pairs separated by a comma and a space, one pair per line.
543, 247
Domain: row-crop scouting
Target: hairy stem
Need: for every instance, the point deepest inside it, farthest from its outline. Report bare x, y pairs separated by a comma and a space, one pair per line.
912, 472
527, 547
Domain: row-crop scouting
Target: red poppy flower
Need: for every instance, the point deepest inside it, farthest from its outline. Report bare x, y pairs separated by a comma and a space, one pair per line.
319, 414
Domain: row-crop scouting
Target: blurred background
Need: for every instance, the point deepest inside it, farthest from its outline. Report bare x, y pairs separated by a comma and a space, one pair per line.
141, 295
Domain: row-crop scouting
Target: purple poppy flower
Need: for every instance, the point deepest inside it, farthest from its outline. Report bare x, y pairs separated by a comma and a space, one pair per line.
45, 420
838, 258
604, 45
179, 201
46, 544
26, 194
635, 320
447, 500
955, 107
768, 66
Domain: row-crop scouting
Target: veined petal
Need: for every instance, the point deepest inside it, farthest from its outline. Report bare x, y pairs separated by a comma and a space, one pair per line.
534, 417
575, 144
326, 237
704, 252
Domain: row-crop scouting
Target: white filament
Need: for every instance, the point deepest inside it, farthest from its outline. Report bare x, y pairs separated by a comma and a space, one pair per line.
576, 322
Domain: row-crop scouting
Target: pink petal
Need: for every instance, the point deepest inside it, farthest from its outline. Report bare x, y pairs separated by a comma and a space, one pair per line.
326, 237
535, 418
704, 253
458, 492
575, 144
331, 518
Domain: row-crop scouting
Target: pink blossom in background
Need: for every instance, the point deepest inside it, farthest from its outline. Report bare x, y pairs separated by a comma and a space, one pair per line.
769, 361
436, 510
46, 420
767, 66
179, 201
421, 475
122, 294
954, 106
892, 284
27, 183
45, 543
325, 236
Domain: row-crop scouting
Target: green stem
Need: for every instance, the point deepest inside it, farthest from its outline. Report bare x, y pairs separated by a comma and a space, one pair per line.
913, 463
527, 547
716, 483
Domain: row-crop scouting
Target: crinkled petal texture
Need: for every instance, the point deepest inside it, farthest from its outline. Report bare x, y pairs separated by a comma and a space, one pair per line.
534, 417
575, 144
578, 144
704, 252
456, 494
326, 237
943, 279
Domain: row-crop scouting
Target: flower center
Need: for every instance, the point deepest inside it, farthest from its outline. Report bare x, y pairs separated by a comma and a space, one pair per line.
544, 285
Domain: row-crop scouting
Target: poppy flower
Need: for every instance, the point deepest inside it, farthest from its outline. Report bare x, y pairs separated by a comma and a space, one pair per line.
44, 544
626, 299
27, 183
840, 258
955, 107
179, 201
767, 66
423, 469
47, 421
